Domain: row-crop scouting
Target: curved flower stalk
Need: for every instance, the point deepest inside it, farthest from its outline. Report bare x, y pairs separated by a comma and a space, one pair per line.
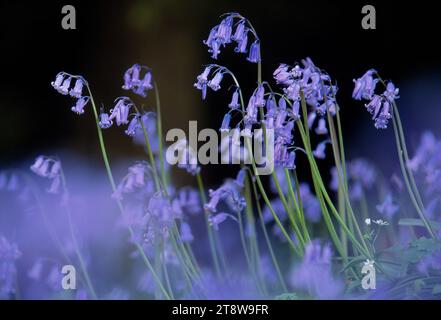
383, 107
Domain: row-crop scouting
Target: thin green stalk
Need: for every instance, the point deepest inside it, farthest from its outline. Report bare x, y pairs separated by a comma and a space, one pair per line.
407, 174
160, 142
267, 239
211, 239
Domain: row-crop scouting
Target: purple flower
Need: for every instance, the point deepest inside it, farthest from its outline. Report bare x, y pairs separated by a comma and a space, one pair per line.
132, 80
254, 55
230, 191
121, 111
388, 208
314, 274
234, 104
133, 125
185, 231
319, 151
77, 90
216, 220
365, 86
58, 81
64, 88
105, 123
137, 178
214, 83
78, 108
226, 122
225, 30
321, 128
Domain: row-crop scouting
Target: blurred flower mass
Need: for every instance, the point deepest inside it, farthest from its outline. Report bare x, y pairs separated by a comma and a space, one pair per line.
303, 232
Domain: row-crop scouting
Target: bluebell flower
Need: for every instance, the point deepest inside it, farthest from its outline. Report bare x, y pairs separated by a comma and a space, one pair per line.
77, 90
58, 81
64, 88
314, 274
104, 122
223, 34
230, 191
214, 83
78, 108
321, 127
234, 104
319, 151
388, 207
133, 125
138, 178
225, 30
217, 219
133, 81
365, 86
226, 122
254, 55
185, 231
120, 112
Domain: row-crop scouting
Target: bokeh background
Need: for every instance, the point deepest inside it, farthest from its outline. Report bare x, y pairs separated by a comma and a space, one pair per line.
167, 35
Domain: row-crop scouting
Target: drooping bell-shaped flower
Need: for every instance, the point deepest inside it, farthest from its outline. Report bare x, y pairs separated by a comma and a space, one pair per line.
225, 30
321, 127
133, 125
234, 104
78, 108
77, 90
58, 81
226, 122
319, 151
365, 86
104, 121
254, 55
64, 88
214, 83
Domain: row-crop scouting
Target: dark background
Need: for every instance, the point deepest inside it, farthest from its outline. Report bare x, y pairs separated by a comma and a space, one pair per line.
167, 35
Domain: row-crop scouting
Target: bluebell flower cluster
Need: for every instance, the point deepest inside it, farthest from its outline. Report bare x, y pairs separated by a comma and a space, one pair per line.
380, 106
237, 29
138, 79
49, 168
63, 84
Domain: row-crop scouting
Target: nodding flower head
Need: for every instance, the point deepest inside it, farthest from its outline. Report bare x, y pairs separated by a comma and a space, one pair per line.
77, 90
133, 125
254, 55
315, 85
49, 168
230, 192
104, 122
78, 108
137, 178
378, 105
319, 151
134, 82
365, 86
388, 207
233, 28
214, 83
120, 111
